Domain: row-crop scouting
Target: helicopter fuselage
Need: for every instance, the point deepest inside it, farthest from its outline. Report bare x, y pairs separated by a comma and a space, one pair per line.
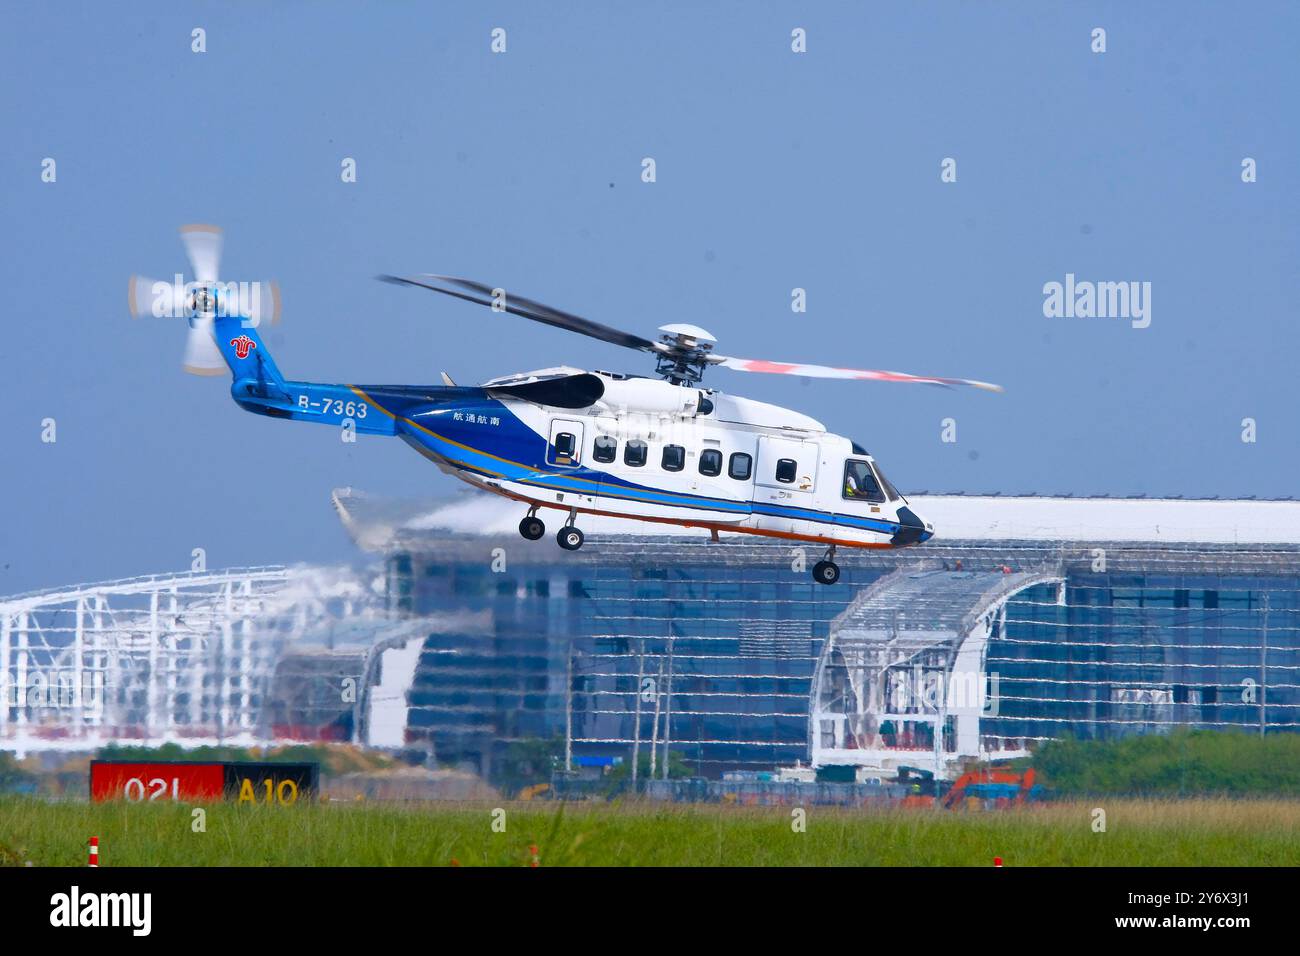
639, 448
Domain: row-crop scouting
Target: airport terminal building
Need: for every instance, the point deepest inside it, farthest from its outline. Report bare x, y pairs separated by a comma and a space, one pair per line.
970, 647
1031, 618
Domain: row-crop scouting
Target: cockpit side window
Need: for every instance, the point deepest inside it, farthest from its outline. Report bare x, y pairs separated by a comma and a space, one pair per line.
860, 483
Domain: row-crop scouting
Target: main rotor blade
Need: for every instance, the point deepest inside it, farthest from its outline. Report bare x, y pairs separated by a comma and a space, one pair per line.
203, 246
826, 371
526, 308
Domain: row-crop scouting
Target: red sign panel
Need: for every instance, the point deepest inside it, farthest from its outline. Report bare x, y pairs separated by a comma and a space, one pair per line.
144, 782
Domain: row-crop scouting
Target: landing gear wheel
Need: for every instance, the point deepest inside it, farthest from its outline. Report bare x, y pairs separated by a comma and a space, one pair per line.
826, 572
570, 538
532, 528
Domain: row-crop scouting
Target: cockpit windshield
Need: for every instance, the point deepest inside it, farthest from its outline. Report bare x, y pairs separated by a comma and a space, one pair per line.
885, 482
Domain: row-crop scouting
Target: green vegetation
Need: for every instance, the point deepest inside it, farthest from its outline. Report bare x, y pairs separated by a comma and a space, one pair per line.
529, 761
333, 758
1182, 763
621, 776
1138, 833
13, 776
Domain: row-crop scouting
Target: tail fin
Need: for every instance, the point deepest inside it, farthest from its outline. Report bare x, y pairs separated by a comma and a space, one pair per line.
244, 352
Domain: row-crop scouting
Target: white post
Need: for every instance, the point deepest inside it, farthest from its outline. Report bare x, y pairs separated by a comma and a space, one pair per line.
245, 657
78, 669
197, 665
668, 708
636, 725
170, 683
1263, 670
4, 671
154, 692
568, 709
654, 724
940, 719
223, 678
106, 662
22, 671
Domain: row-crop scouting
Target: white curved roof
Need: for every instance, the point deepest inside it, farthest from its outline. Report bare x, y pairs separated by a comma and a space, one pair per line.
1033, 518
373, 522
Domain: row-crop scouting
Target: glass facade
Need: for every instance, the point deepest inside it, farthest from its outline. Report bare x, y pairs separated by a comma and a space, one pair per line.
723, 652
1132, 653
723, 640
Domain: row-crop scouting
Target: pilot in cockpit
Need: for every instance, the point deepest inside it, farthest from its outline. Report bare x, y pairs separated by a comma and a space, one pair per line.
860, 483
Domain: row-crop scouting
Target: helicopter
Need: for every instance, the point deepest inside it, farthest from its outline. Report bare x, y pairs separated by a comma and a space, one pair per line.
663, 449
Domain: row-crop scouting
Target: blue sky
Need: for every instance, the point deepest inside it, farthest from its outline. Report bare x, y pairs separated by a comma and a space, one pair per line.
774, 171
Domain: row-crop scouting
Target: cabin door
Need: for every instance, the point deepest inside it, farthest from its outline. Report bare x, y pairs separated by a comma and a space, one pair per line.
565, 447
786, 471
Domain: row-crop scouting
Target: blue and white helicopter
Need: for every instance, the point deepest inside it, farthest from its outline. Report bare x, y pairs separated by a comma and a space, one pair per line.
663, 449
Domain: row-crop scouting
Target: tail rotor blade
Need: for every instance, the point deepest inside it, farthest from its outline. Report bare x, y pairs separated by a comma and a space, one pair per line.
264, 306
203, 299
152, 297
202, 357
203, 246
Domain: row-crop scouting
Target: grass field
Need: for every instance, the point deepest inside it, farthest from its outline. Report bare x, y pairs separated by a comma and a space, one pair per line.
1138, 833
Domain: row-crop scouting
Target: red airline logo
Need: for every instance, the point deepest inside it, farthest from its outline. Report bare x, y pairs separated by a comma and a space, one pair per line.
242, 345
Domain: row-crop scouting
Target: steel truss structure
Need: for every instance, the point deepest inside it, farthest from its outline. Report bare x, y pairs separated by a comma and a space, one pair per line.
183, 657
903, 677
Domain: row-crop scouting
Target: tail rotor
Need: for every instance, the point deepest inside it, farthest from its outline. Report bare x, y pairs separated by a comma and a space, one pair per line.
201, 300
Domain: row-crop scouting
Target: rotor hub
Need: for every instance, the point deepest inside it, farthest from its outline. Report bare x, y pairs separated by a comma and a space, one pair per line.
203, 301
683, 353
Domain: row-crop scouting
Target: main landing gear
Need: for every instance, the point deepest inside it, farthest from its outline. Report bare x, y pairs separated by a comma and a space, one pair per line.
532, 527
826, 571
569, 538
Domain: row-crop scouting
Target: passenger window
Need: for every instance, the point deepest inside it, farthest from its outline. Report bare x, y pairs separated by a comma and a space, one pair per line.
711, 462
859, 482
785, 469
739, 466
605, 449
565, 444
634, 453
674, 458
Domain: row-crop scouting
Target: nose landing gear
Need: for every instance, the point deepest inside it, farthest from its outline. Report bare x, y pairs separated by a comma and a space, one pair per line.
826, 571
